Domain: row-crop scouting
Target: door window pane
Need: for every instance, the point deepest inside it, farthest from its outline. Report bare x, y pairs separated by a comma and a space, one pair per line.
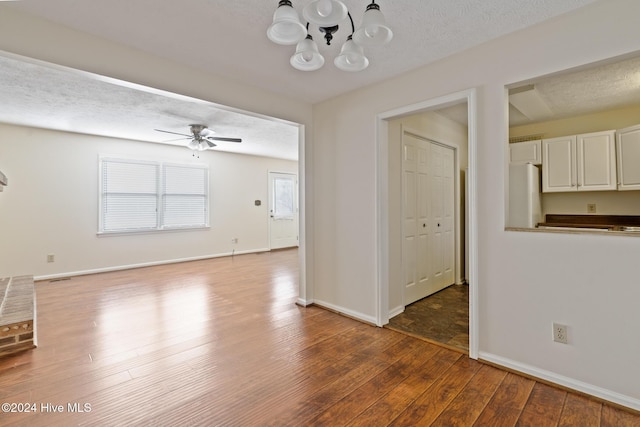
283, 197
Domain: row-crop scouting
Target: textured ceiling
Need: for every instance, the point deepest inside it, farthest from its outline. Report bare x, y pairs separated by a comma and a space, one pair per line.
228, 38
51, 97
598, 88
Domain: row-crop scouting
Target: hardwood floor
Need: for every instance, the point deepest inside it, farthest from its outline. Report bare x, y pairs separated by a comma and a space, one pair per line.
221, 342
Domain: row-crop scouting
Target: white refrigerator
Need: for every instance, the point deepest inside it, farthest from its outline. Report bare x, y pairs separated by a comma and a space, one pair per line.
525, 206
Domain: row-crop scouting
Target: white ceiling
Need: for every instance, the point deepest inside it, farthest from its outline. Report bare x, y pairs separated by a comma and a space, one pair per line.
228, 38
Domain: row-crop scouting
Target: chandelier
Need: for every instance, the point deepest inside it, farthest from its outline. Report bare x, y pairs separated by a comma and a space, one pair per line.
287, 29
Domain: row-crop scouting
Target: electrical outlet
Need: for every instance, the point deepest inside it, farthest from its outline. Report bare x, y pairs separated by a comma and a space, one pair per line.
560, 333
591, 208
51, 258
234, 240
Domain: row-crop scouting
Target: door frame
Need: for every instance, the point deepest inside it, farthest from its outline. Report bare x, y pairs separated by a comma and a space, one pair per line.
458, 243
382, 210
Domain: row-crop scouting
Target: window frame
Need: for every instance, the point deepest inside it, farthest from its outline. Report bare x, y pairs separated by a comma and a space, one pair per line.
160, 196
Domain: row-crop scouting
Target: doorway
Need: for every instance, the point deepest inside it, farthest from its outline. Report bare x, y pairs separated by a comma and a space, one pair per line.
390, 296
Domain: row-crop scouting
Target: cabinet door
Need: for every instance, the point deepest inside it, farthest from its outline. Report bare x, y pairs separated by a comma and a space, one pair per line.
596, 161
559, 164
628, 149
525, 152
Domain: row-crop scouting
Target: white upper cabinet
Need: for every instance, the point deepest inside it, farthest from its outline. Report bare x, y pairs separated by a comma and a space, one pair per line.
584, 162
628, 150
559, 164
597, 161
526, 152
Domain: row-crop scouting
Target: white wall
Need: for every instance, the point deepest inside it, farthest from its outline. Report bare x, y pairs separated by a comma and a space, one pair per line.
51, 204
526, 281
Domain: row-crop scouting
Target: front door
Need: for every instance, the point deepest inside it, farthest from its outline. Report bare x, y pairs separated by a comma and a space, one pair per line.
428, 194
283, 210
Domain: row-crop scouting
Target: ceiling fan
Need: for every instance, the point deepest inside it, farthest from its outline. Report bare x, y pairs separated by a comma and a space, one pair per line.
201, 137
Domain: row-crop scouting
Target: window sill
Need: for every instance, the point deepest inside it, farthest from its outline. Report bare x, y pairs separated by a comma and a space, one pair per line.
154, 231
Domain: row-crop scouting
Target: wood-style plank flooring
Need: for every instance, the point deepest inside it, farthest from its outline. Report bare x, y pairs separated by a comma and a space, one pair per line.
221, 342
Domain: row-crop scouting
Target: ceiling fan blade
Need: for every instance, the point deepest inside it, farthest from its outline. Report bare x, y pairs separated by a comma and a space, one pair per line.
177, 139
220, 138
209, 143
175, 133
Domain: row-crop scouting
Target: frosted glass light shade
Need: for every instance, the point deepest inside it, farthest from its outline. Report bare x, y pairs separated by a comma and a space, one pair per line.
325, 13
286, 28
373, 31
193, 144
198, 145
307, 57
351, 57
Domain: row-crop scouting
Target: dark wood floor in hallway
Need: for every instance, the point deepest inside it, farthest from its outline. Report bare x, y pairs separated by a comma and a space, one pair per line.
221, 342
441, 318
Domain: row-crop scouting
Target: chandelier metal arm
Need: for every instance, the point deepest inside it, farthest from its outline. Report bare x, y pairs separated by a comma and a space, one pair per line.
328, 31
353, 28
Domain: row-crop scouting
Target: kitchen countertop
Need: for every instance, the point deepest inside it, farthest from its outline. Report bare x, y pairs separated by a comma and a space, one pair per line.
580, 224
607, 222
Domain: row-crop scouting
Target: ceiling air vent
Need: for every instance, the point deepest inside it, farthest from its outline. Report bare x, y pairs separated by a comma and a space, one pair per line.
525, 138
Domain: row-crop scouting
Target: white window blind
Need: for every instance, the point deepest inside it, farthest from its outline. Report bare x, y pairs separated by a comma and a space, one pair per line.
145, 196
185, 196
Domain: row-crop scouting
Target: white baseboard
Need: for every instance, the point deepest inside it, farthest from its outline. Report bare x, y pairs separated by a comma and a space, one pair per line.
346, 311
303, 302
395, 311
145, 264
571, 383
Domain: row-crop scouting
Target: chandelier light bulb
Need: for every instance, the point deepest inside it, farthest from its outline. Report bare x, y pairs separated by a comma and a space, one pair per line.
307, 56
286, 28
351, 57
373, 31
324, 8
325, 13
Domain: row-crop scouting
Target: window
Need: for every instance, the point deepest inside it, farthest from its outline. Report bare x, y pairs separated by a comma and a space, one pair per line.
146, 196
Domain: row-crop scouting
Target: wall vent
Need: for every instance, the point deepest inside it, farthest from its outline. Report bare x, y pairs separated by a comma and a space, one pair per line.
525, 138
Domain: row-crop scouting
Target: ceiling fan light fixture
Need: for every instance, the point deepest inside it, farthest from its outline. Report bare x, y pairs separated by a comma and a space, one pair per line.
201, 137
286, 28
325, 13
307, 56
373, 31
351, 57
